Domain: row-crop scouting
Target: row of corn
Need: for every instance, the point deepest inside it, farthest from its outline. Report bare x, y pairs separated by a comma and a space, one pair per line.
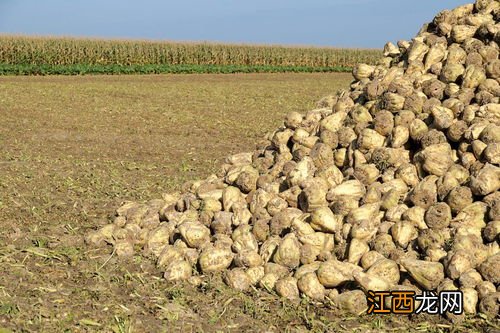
22, 50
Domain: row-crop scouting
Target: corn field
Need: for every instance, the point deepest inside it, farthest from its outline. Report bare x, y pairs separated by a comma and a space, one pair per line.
20, 50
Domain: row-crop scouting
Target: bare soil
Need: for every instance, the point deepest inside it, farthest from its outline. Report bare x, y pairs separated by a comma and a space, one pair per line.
73, 148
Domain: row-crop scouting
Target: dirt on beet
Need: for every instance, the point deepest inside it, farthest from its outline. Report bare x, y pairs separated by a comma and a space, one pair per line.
73, 148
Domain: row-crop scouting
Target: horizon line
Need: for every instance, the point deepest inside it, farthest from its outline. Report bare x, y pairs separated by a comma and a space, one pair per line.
168, 41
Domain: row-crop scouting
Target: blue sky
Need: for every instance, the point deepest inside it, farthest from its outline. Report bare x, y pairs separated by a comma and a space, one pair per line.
341, 23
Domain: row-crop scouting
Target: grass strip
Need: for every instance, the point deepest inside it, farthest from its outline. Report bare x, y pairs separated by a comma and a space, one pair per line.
8, 69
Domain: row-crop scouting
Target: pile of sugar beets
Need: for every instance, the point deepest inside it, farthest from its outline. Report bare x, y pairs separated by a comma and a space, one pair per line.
392, 185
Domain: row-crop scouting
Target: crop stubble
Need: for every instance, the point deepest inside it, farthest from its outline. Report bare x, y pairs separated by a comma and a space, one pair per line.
72, 147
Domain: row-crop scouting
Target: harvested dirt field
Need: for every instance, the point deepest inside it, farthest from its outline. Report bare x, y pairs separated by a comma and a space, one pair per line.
73, 148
